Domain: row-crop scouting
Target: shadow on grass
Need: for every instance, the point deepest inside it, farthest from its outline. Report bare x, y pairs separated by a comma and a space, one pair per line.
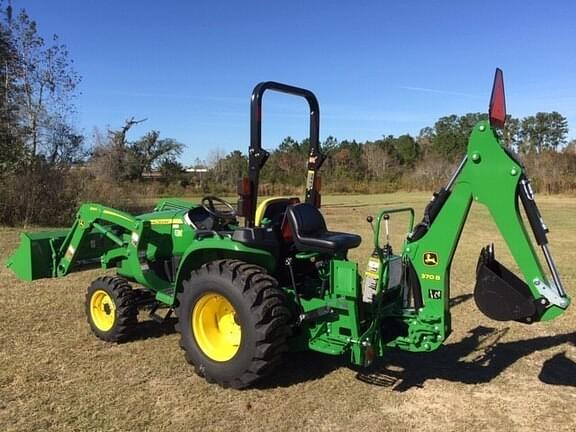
151, 329
455, 301
299, 367
478, 358
559, 370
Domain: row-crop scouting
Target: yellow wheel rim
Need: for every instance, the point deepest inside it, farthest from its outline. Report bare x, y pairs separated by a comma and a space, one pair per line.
102, 310
215, 327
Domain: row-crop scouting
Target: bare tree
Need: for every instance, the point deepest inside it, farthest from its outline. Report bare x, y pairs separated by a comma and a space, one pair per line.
110, 154
118, 137
46, 78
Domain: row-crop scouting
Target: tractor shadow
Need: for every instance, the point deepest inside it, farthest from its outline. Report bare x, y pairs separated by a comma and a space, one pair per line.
455, 301
559, 370
299, 367
478, 358
150, 329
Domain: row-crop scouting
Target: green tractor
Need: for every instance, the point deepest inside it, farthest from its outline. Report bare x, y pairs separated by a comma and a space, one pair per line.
245, 295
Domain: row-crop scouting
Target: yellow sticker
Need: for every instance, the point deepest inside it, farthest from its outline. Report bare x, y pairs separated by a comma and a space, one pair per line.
165, 221
310, 180
161, 221
428, 276
70, 253
111, 213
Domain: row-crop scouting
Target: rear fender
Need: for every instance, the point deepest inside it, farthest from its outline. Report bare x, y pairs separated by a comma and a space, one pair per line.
205, 250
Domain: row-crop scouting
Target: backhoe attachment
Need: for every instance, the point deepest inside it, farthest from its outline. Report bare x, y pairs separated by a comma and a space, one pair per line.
492, 176
415, 315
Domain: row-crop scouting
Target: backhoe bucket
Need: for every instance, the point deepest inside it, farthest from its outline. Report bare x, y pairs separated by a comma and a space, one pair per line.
34, 258
500, 294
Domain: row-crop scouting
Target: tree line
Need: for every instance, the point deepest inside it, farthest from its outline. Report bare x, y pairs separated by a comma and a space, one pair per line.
48, 167
405, 162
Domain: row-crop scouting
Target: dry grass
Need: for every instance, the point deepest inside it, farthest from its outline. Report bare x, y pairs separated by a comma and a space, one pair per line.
55, 375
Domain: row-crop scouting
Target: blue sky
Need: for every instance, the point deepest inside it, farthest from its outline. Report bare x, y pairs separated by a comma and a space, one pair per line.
377, 67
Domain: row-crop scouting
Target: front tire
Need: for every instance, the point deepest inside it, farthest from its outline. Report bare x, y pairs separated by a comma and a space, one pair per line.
110, 309
233, 322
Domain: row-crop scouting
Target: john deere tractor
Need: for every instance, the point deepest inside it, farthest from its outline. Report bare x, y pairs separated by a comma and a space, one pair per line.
244, 294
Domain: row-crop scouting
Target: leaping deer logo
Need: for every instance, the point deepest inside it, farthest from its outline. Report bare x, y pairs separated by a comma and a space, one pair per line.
431, 259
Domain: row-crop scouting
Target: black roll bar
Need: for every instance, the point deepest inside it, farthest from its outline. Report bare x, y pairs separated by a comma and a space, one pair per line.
257, 156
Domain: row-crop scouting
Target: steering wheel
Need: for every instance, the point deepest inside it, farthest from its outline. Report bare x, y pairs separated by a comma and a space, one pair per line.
218, 208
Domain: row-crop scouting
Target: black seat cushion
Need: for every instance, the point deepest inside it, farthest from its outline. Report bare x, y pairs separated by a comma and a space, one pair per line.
310, 232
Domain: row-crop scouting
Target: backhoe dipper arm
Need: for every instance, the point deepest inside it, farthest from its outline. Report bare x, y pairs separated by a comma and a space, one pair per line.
492, 176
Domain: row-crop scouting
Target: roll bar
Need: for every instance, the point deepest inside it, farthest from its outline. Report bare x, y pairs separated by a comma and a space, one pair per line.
257, 156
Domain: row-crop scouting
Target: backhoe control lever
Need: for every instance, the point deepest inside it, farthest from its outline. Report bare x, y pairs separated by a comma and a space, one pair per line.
387, 247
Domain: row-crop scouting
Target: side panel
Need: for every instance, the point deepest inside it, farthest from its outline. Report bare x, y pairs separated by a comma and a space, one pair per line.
332, 325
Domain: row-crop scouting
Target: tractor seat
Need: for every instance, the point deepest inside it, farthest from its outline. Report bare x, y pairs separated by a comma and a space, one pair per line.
311, 235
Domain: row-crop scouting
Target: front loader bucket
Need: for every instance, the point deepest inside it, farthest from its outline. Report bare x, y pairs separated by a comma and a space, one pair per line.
34, 258
500, 294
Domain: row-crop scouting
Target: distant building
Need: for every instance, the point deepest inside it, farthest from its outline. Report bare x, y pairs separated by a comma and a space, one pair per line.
153, 175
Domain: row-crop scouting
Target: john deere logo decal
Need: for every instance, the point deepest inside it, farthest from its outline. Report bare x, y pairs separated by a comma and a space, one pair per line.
430, 259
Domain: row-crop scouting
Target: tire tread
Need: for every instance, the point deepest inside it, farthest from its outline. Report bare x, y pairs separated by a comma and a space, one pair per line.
267, 302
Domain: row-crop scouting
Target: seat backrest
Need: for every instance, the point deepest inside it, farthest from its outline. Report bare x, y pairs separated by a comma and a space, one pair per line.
273, 209
306, 220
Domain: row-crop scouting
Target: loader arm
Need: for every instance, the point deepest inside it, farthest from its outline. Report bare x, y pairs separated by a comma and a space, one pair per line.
129, 247
100, 236
492, 176
94, 217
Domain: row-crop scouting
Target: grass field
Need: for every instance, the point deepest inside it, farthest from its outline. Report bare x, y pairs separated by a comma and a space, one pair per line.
56, 376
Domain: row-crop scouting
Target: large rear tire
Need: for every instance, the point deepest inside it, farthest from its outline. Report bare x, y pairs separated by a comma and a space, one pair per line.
110, 309
233, 322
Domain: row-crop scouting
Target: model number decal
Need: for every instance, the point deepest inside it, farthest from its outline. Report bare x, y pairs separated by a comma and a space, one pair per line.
428, 276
